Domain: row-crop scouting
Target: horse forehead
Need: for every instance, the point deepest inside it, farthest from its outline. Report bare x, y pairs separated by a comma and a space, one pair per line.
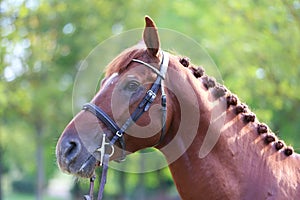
109, 80
134, 70
140, 71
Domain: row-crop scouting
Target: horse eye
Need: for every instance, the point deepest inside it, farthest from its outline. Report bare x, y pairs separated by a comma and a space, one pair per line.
132, 85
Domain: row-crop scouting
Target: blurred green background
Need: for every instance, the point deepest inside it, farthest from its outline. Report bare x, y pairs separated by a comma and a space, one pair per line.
255, 44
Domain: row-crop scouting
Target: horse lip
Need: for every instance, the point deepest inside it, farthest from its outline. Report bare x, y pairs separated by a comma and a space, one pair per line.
88, 167
85, 170
86, 163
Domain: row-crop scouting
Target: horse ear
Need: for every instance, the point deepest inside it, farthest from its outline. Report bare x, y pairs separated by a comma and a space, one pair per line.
151, 37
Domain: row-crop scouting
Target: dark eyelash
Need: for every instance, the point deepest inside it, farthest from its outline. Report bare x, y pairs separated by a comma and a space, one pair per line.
132, 85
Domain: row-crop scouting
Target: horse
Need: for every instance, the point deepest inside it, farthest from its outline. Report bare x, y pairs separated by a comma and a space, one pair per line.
215, 147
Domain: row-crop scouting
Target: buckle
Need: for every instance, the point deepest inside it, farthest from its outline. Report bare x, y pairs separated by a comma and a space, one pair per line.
150, 96
119, 134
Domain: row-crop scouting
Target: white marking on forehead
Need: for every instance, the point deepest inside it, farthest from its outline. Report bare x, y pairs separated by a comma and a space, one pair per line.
130, 76
109, 80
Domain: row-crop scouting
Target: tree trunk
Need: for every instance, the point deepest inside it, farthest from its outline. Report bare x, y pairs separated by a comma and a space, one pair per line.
122, 182
1, 171
1, 165
77, 192
140, 191
40, 162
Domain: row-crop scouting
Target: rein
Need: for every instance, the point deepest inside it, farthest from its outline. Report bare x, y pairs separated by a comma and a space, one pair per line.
143, 106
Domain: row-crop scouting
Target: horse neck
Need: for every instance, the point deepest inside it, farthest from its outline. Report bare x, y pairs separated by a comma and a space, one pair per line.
232, 151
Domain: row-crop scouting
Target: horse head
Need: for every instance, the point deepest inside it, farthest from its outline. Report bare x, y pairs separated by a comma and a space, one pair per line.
127, 109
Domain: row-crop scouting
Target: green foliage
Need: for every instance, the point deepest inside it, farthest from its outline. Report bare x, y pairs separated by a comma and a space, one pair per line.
254, 43
25, 185
21, 196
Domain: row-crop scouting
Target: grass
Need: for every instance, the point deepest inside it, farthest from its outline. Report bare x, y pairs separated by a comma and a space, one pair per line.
18, 196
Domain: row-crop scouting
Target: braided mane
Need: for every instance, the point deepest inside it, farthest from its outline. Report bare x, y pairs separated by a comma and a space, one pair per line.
219, 90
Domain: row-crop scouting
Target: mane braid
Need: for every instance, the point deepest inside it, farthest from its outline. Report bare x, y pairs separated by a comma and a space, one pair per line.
218, 90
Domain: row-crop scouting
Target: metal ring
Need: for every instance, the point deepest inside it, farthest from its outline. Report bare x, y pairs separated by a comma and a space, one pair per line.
112, 150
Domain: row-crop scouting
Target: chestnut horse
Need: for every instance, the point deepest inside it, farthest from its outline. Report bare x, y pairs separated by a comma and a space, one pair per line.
214, 145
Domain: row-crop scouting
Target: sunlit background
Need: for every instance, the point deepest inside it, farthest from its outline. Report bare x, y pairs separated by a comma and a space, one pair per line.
254, 43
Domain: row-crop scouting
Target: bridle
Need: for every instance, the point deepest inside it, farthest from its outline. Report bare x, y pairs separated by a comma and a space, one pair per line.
118, 132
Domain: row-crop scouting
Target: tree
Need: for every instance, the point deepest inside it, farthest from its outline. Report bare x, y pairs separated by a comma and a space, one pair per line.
254, 44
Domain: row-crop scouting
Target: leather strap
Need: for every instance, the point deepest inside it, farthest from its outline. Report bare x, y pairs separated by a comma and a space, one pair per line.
143, 106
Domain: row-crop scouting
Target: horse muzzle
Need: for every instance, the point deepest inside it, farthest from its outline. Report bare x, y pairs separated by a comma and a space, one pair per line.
73, 157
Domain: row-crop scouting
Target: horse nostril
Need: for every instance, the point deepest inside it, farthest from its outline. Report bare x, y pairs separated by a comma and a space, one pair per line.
71, 149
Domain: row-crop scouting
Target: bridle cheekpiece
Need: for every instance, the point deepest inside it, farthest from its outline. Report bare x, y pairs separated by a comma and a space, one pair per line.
118, 132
